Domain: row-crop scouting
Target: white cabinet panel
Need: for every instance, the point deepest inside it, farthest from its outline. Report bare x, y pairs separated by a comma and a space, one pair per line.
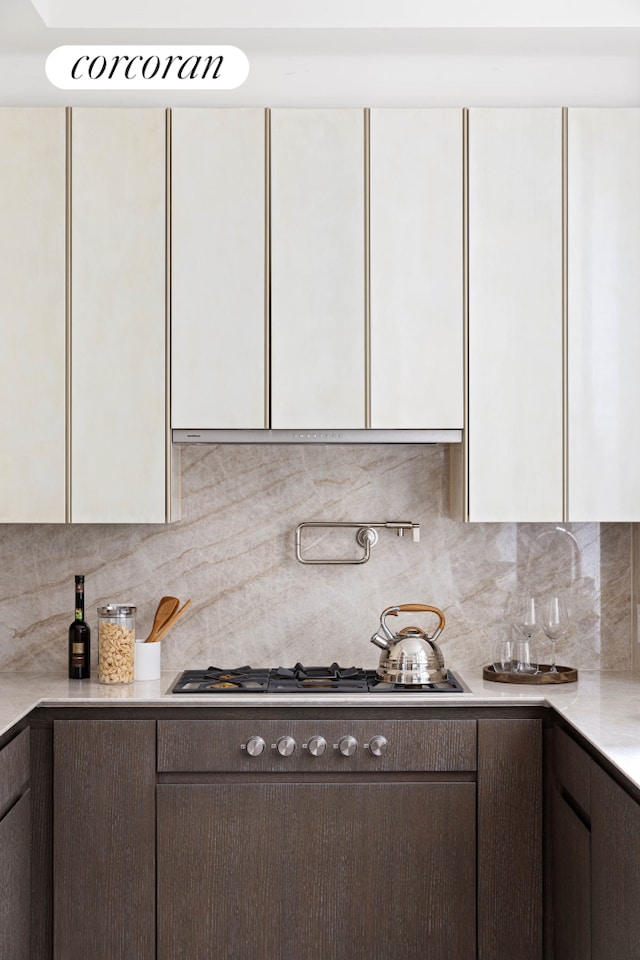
515, 315
218, 268
604, 312
32, 307
416, 244
317, 269
118, 358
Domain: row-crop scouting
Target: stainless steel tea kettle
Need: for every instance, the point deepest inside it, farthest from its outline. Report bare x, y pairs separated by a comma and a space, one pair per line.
411, 656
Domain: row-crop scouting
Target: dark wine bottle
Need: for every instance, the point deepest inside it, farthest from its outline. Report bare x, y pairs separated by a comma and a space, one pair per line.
79, 639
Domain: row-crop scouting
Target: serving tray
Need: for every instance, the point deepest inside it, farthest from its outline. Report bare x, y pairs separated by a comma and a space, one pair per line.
544, 675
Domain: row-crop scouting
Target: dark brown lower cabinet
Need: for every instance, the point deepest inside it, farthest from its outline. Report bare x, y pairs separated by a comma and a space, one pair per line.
171, 842
104, 839
594, 859
316, 871
15, 849
571, 881
615, 870
510, 825
15, 881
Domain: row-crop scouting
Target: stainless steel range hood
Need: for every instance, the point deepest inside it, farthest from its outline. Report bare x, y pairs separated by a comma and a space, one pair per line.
317, 436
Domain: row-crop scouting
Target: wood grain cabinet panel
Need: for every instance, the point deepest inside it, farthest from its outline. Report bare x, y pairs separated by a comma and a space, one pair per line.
571, 882
104, 839
118, 346
510, 883
15, 881
14, 770
15, 849
615, 864
215, 746
218, 268
32, 311
324, 871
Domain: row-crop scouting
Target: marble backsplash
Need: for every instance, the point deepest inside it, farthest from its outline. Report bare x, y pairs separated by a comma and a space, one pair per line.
233, 553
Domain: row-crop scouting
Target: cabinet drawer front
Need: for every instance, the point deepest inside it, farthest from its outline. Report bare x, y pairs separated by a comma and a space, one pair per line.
199, 746
14, 770
572, 768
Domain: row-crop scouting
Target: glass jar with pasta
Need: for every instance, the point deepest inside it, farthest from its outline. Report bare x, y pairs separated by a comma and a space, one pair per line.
116, 642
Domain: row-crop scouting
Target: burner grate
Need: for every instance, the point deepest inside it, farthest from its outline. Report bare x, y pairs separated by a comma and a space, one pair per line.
301, 679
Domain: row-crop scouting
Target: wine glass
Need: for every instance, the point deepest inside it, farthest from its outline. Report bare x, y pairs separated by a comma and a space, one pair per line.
525, 622
555, 623
525, 616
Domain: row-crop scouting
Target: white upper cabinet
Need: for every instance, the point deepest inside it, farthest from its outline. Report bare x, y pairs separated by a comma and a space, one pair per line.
317, 269
416, 231
218, 268
118, 355
604, 314
515, 428
32, 306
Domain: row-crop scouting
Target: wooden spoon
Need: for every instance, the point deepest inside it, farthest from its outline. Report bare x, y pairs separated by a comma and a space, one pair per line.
166, 609
170, 622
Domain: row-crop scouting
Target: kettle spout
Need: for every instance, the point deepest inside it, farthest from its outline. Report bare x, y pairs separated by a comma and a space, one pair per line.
379, 641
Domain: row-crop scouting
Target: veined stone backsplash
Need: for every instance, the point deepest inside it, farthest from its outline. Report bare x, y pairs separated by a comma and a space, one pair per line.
233, 553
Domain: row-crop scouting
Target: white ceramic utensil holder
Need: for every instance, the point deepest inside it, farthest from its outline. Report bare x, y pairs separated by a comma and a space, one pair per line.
148, 660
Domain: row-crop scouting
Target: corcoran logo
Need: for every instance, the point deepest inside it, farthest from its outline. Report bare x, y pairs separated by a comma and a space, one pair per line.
147, 67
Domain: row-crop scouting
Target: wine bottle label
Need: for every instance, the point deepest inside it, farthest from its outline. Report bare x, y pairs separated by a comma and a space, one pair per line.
77, 648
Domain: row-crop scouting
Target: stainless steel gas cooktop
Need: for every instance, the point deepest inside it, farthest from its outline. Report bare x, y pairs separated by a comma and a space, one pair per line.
301, 679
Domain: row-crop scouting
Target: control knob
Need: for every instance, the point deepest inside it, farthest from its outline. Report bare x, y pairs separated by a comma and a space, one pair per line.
254, 746
316, 746
378, 745
285, 746
347, 745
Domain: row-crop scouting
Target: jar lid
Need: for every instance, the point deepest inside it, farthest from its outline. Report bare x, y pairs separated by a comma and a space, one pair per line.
116, 610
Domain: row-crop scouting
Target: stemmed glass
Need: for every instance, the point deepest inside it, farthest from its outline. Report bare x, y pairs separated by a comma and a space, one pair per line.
555, 623
525, 623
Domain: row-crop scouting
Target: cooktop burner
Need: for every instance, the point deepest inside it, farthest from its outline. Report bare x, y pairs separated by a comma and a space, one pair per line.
301, 679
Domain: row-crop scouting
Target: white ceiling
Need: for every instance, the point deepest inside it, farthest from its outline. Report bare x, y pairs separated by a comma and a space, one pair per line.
251, 14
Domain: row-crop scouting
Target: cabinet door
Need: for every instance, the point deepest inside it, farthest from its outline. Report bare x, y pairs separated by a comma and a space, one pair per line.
104, 839
218, 268
317, 269
615, 859
604, 333
32, 305
416, 273
515, 315
118, 345
15, 881
571, 882
324, 871
510, 884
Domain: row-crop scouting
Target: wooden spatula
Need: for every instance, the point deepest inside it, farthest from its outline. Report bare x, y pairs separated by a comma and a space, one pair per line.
170, 622
166, 609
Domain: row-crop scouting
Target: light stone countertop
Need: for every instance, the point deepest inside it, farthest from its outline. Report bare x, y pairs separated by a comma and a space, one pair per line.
603, 707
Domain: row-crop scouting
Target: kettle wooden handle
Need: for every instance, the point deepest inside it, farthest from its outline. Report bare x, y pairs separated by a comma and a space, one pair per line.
417, 608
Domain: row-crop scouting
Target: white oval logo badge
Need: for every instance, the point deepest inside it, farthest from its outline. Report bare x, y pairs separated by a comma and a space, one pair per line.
147, 67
